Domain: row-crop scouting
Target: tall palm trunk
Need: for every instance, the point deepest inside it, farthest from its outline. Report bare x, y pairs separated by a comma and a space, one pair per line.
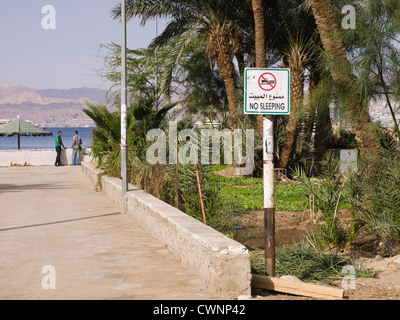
340, 69
223, 52
296, 65
261, 62
323, 125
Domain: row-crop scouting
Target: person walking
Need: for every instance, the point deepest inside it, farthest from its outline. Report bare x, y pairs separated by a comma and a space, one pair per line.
59, 143
76, 147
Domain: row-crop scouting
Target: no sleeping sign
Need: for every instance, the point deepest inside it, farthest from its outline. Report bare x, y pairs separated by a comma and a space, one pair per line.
267, 91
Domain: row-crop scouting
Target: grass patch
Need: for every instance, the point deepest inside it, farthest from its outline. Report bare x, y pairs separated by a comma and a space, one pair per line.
288, 197
236, 181
308, 263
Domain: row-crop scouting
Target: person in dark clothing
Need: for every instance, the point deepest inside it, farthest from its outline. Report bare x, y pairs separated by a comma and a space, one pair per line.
58, 143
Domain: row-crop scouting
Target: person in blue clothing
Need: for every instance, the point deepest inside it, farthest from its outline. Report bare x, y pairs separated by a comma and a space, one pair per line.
76, 147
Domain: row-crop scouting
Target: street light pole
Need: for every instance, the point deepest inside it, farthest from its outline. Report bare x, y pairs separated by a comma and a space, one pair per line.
124, 144
156, 75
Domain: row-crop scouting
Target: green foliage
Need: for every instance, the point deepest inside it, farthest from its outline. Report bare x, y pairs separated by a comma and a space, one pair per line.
158, 180
234, 180
342, 139
290, 197
374, 52
327, 196
387, 137
141, 72
204, 90
184, 55
191, 22
287, 197
374, 194
248, 193
142, 116
106, 137
222, 212
190, 193
309, 263
145, 110
327, 191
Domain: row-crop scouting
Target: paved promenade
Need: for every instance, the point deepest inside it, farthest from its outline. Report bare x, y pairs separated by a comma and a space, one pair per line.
55, 230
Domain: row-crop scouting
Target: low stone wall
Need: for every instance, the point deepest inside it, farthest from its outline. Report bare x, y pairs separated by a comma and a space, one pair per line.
221, 262
38, 157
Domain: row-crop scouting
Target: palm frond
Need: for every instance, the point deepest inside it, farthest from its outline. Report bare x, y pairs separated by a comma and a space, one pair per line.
172, 60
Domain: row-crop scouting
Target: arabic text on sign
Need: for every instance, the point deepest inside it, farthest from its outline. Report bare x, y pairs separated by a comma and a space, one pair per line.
264, 96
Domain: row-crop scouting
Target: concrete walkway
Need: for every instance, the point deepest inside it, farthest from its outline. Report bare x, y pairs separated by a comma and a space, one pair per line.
56, 230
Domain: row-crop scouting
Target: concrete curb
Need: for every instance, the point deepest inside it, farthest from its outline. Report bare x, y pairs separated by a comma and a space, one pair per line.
39, 157
221, 262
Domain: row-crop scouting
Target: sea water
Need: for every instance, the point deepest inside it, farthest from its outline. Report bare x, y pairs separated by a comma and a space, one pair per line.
48, 142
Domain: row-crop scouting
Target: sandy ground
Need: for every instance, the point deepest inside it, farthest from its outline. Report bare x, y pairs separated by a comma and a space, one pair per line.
385, 286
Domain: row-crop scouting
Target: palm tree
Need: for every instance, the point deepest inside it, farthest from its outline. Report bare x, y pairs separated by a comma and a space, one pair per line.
295, 59
259, 33
341, 72
319, 99
298, 45
142, 115
106, 137
217, 22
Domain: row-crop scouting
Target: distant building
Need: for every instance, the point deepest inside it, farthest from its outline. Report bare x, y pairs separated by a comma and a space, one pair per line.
206, 124
378, 111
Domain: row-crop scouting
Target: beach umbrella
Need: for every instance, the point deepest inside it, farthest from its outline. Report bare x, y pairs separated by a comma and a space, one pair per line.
22, 128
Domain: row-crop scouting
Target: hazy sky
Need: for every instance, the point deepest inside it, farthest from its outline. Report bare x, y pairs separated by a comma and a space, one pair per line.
64, 57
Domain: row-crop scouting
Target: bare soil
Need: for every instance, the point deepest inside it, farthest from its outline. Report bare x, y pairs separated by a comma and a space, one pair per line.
290, 227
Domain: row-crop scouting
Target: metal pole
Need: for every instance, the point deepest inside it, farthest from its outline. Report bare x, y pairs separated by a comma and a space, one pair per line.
269, 201
156, 75
124, 157
177, 174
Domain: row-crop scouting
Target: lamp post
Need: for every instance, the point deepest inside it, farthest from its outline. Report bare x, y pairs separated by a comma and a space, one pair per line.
124, 144
156, 75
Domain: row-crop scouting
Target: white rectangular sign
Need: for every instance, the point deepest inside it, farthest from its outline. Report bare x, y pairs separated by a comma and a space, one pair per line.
267, 91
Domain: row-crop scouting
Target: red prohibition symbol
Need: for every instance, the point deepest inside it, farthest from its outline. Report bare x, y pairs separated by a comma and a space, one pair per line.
267, 81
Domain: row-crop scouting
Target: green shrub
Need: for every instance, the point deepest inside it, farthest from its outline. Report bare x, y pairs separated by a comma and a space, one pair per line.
374, 194
309, 263
189, 191
328, 195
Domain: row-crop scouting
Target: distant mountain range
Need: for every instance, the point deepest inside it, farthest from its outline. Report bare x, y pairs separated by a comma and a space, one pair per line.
48, 107
60, 108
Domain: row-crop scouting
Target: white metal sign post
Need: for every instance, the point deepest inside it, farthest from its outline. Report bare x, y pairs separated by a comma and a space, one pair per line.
267, 92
